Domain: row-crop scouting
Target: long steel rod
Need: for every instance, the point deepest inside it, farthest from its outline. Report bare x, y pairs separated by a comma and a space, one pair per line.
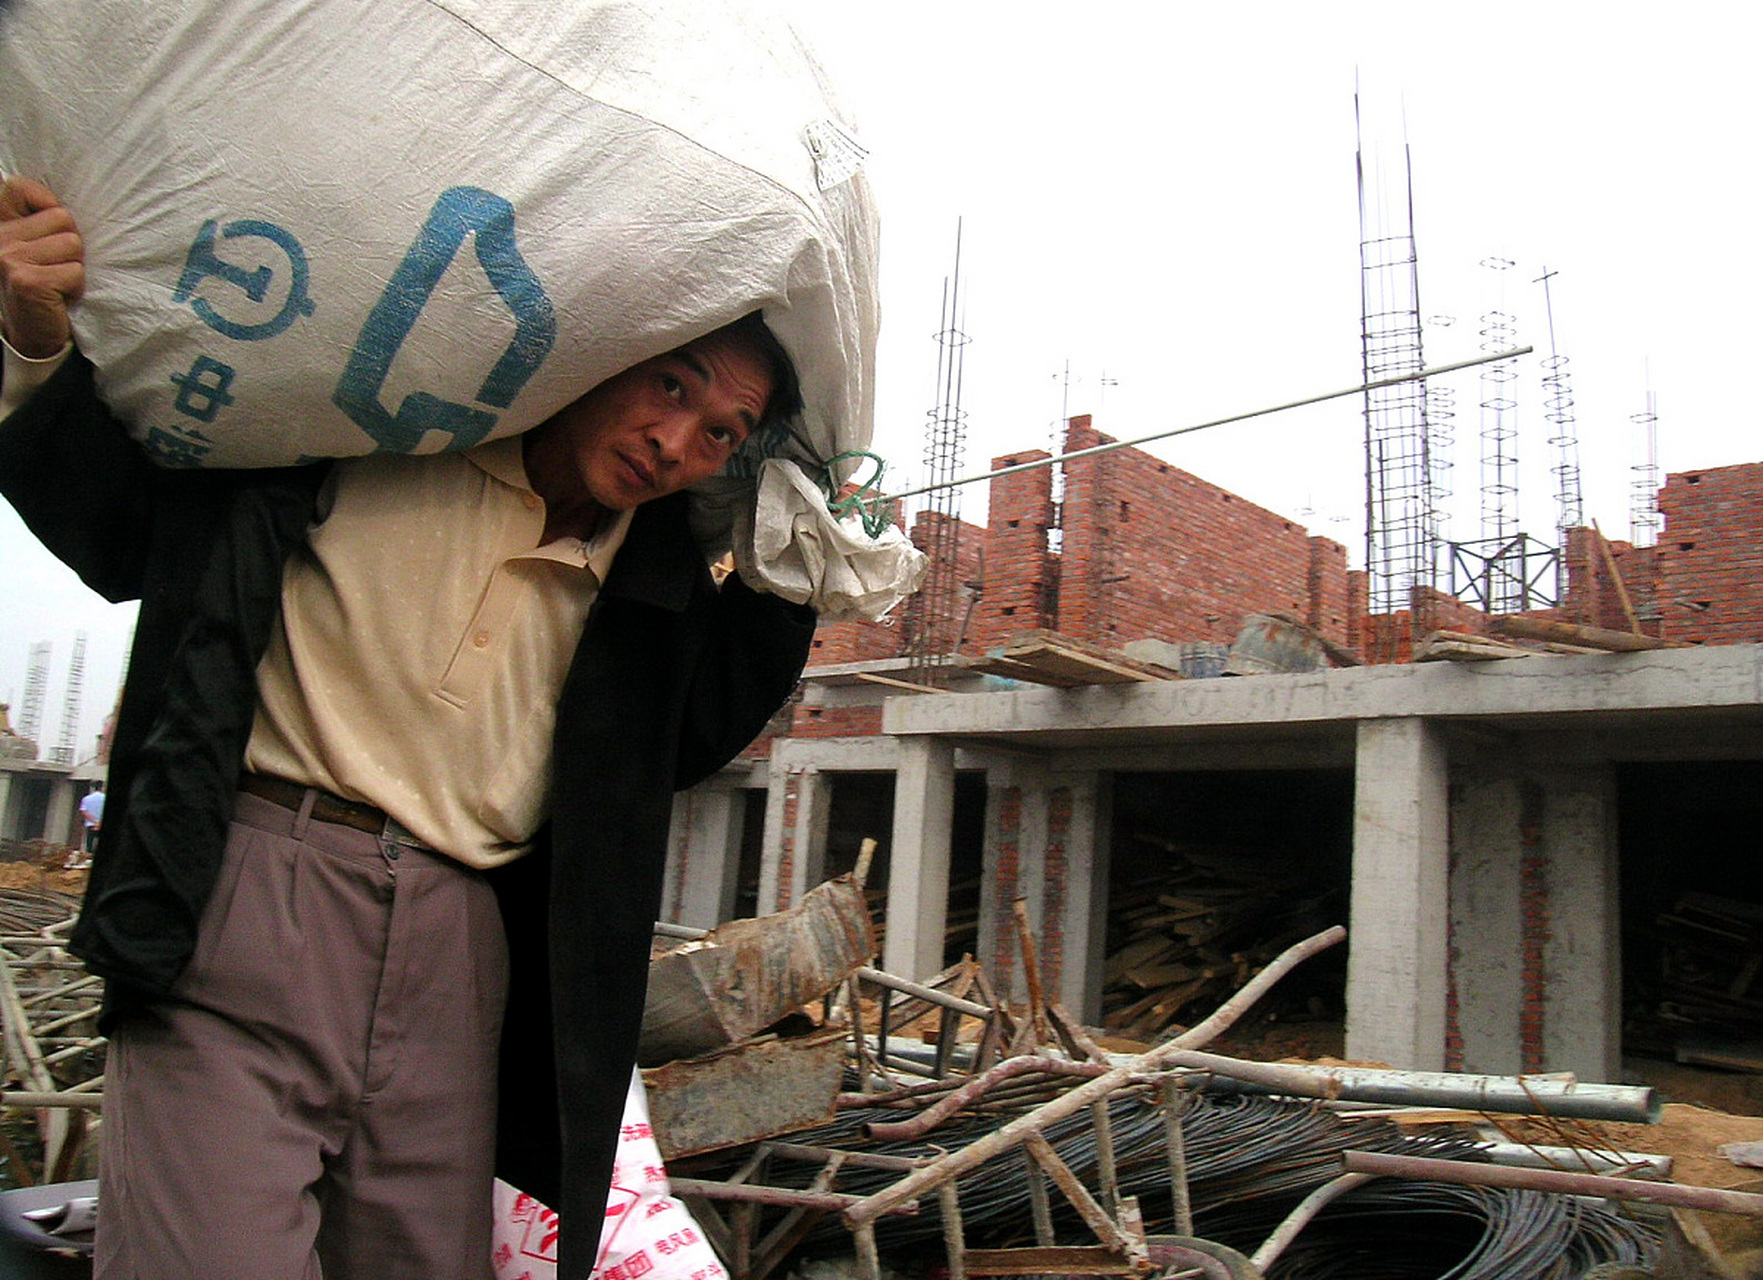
34, 1099
744, 1193
1299, 1218
1573, 1184
1093, 450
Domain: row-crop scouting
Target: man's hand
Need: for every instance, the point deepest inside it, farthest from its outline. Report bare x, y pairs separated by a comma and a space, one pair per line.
42, 268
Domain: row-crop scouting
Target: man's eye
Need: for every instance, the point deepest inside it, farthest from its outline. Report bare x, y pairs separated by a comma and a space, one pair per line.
672, 387
722, 435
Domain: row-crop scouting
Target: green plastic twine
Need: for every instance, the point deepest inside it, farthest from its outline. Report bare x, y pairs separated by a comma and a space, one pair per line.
865, 500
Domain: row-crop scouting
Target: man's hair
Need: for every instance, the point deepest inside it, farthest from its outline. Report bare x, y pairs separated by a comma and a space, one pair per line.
785, 401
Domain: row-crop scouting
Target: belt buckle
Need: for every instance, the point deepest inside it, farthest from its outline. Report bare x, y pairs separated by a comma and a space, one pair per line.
395, 832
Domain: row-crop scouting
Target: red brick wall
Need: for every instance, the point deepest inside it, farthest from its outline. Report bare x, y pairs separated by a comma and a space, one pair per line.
837, 642
1710, 555
1330, 602
969, 542
1592, 598
1151, 551
1021, 574
836, 722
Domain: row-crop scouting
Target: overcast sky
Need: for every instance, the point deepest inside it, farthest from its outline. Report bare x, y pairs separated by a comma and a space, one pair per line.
1162, 200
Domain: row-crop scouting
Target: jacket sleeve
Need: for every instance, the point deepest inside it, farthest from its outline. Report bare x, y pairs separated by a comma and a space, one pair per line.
753, 658
79, 483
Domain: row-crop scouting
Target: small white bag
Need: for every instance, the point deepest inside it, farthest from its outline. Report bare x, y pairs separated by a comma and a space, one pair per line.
647, 1233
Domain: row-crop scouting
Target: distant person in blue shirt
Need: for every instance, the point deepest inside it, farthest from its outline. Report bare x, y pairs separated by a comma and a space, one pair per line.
92, 812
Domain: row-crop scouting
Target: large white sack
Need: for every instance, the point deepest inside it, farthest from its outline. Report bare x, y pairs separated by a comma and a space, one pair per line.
329, 227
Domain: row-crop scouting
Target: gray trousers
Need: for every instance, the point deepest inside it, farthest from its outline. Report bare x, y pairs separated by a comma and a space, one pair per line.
318, 1095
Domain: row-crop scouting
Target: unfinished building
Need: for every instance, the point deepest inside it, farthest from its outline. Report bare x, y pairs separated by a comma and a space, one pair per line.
1525, 850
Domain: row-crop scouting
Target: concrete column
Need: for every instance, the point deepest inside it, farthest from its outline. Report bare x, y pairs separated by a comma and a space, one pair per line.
1487, 922
772, 869
704, 855
1582, 958
1080, 837
1535, 919
918, 864
62, 824
1396, 972
795, 836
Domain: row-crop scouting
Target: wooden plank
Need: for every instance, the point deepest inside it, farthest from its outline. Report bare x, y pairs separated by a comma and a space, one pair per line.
1511, 624
1070, 658
994, 665
1444, 646
1609, 559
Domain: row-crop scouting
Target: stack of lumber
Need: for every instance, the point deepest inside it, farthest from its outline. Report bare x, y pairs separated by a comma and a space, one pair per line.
1711, 960
1183, 938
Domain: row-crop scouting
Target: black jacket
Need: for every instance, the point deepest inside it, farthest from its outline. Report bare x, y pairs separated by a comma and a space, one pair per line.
671, 679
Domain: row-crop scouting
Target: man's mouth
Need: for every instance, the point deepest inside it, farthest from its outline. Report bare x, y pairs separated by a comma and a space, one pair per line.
640, 472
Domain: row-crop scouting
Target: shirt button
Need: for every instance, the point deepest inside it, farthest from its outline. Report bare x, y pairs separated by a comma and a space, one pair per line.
481, 639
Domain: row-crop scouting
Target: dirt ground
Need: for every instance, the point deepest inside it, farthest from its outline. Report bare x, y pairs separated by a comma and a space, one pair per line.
32, 875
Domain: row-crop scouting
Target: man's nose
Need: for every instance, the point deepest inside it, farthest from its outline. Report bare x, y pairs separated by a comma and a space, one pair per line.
670, 436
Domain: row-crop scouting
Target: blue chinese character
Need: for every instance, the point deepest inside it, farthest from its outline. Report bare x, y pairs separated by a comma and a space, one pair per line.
169, 449
460, 211
203, 263
200, 398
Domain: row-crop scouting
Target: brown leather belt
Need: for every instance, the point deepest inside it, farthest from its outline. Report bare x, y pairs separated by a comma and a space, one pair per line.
325, 808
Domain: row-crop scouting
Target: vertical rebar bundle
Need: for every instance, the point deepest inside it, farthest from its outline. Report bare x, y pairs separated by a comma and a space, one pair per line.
70, 708
36, 689
934, 620
1400, 506
1563, 433
1499, 449
1643, 512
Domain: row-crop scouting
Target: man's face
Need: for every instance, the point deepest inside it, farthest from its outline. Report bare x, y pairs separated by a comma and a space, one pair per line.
658, 427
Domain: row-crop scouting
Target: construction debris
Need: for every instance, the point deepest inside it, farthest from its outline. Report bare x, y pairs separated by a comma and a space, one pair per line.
740, 978
759, 1089
1010, 1144
1277, 643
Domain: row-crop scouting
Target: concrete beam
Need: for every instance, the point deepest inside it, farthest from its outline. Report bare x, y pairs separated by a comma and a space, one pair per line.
1617, 686
1398, 964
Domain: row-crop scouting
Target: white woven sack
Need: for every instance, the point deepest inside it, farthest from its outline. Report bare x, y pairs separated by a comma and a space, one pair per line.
327, 228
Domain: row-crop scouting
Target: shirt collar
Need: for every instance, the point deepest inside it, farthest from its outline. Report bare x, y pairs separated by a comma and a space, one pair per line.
505, 460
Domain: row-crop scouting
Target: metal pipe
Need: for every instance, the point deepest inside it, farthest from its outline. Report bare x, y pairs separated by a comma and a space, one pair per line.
1573, 1184
1524, 1155
1216, 422
1554, 1096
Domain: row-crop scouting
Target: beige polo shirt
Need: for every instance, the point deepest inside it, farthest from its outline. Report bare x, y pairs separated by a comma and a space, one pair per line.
422, 646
